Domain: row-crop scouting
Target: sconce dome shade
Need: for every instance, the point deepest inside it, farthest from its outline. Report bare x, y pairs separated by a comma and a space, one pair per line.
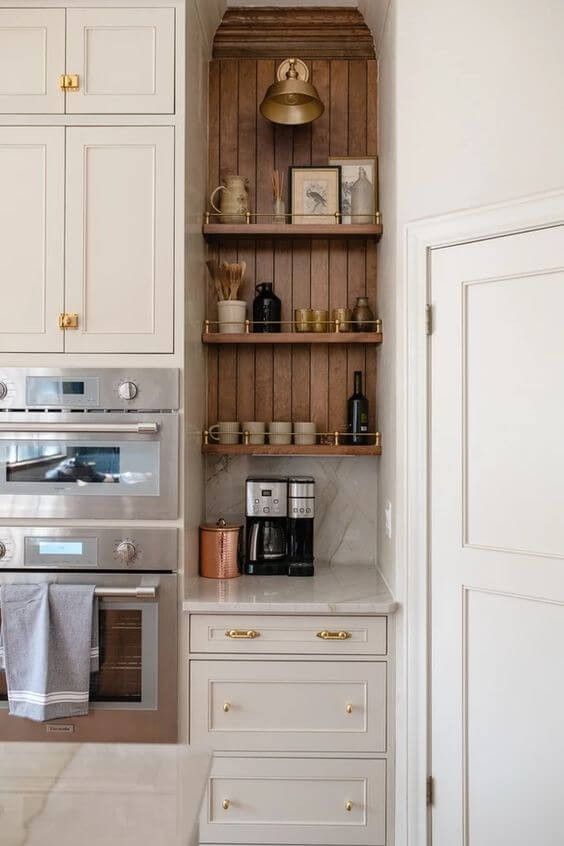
292, 101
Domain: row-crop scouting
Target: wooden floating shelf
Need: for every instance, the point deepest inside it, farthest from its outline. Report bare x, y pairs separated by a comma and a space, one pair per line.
275, 338
220, 231
291, 449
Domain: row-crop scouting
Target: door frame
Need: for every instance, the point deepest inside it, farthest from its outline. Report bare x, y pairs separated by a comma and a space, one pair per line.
536, 211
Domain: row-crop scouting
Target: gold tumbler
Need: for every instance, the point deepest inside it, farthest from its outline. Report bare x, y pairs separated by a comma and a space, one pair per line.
320, 319
219, 550
303, 319
344, 316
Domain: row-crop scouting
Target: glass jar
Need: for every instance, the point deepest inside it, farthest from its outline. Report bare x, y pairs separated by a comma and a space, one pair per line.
362, 316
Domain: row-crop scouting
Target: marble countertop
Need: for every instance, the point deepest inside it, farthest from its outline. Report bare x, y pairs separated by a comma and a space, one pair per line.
64, 794
335, 589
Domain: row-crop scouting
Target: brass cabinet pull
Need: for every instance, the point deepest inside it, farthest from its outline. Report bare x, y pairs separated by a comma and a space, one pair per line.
68, 320
348, 806
226, 706
349, 708
225, 804
69, 82
324, 635
240, 634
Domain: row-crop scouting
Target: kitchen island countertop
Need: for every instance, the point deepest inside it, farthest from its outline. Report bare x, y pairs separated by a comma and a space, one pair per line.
64, 794
335, 589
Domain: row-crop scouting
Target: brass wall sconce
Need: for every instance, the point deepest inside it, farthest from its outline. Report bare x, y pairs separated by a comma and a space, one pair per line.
292, 100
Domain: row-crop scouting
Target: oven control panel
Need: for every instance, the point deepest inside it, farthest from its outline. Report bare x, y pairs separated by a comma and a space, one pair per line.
77, 548
87, 388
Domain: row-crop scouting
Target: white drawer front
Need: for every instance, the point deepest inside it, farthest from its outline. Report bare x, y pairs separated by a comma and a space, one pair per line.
287, 635
289, 706
295, 801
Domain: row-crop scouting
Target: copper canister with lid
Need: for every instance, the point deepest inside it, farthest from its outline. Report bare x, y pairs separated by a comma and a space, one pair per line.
219, 550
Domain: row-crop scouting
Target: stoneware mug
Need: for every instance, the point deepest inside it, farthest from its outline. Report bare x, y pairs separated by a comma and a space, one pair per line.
256, 432
280, 432
225, 432
304, 433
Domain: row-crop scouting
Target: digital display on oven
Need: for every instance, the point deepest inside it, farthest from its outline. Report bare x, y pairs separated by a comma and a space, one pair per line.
75, 388
266, 493
61, 548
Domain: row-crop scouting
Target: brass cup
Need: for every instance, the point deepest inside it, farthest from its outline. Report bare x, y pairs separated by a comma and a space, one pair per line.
303, 319
320, 319
344, 316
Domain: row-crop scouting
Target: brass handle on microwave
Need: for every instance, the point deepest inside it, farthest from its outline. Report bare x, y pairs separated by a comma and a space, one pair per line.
239, 634
89, 428
324, 635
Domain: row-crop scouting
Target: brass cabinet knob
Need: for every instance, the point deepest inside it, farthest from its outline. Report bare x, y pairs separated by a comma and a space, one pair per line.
349, 708
226, 706
348, 805
225, 804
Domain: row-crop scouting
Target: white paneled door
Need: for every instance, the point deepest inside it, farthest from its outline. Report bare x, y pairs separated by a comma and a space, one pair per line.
31, 238
32, 57
119, 244
124, 59
497, 541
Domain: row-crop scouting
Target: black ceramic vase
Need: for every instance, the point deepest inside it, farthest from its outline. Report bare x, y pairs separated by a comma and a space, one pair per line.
267, 309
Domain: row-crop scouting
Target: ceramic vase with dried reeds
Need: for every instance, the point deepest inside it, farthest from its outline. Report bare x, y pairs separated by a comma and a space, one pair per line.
227, 278
279, 205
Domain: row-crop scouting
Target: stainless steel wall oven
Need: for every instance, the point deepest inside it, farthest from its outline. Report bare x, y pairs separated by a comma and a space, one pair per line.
133, 697
86, 443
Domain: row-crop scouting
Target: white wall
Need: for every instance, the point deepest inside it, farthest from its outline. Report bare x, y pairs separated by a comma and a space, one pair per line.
472, 113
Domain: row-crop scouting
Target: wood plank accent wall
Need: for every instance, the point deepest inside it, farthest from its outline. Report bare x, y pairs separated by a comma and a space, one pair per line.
291, 382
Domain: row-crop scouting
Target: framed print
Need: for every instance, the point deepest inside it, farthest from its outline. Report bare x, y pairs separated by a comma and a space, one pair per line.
359, 188
315, 193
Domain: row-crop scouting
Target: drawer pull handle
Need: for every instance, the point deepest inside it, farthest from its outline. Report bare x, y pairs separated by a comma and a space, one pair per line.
225, 804
348, 806
240, 634
349, 708
226, 707
324, 635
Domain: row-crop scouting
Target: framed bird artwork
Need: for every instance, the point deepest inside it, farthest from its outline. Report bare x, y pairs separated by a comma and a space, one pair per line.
315, 193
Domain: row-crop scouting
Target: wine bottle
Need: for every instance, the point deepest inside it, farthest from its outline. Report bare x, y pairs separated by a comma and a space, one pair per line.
357, 412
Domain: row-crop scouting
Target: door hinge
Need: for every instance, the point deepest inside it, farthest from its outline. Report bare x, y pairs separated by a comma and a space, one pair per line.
429, 319
430, 790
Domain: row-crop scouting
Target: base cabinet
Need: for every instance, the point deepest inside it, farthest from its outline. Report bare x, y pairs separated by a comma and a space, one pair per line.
300, 727
295, 801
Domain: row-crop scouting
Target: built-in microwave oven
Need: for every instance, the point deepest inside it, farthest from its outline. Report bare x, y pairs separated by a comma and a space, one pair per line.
83, 443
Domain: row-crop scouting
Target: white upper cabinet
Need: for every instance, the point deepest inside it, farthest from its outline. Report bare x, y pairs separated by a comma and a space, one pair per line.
31, 238
32, 58
124, 59
119, 236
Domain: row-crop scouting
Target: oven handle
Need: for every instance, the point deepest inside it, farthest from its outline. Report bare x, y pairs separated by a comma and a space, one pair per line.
137, 592
100, 428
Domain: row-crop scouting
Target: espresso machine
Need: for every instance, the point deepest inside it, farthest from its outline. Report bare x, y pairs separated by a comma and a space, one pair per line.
279, 526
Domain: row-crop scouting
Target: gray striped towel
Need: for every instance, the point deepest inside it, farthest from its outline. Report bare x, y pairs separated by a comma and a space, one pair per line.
50, 643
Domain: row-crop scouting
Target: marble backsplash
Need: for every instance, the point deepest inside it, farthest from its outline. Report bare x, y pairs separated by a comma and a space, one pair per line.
346, 499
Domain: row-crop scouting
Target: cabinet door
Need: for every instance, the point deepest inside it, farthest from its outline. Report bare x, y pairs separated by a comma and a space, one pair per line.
119, 239
32, 57
32, 169
124, 59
